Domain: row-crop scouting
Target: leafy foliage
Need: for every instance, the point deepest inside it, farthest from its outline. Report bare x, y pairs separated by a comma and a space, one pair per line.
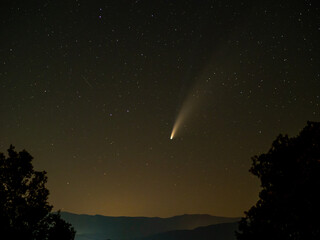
24, 208
288, 207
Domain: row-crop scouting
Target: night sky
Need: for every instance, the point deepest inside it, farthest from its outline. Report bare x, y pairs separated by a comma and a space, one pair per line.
92, 90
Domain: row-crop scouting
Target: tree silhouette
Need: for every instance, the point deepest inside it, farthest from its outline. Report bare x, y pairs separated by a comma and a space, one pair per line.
289, 204
24, 210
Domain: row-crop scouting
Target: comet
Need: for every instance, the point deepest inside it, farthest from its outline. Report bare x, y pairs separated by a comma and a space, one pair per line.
196, 98
183, 115
177, 124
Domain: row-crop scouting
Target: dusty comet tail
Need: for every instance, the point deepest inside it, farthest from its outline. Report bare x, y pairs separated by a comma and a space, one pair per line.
175, 127
184, 112
171, 137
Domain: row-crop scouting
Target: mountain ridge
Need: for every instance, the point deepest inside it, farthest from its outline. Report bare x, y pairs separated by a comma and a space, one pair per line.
221, 231
130, 228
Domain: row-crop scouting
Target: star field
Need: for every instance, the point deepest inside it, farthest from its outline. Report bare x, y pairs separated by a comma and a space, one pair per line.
92, 90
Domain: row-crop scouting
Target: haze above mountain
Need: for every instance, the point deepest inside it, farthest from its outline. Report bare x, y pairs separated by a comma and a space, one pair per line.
99, 227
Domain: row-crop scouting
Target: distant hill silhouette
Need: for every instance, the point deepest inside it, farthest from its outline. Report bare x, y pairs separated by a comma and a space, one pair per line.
99, 227
222, 231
